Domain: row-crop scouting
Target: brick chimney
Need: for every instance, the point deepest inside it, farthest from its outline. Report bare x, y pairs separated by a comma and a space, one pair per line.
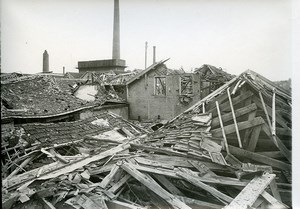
116, 32
45, 62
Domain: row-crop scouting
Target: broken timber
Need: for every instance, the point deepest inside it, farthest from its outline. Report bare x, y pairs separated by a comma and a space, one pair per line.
251, 192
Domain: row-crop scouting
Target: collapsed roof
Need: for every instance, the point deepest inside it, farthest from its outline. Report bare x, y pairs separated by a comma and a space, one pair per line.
43, 96
232, 149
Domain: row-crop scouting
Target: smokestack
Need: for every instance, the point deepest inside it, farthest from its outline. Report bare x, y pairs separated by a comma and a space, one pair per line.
154, 58
45, 62
116, 32
63, 69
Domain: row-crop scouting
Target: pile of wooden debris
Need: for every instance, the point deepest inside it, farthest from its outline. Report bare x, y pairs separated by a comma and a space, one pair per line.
230, 150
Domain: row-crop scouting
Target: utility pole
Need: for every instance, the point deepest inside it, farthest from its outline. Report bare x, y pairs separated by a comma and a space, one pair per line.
146, 45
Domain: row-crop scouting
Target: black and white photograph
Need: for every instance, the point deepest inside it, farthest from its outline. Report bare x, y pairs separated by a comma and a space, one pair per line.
153, 104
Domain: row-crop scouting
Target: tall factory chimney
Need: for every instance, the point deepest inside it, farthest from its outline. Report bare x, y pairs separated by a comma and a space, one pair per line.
116, 32
45, 62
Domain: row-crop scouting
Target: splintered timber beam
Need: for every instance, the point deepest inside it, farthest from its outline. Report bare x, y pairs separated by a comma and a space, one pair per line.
239, 112
119, 184
172, 173
234, 120
168, 185
153, 186
242, 125
197, 182
247, 197
109, 177
57, 168
71, 167
259, 158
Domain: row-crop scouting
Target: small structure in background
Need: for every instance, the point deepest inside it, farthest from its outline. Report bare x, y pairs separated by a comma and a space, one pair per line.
115, 64
45, 62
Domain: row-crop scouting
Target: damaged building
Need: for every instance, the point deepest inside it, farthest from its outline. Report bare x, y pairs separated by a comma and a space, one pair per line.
229, 149
161, 93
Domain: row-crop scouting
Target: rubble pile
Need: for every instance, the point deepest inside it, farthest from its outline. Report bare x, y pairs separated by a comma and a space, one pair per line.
232, 149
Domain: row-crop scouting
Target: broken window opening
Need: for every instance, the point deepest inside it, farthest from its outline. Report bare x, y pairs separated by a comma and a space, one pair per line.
160, 86
186, 85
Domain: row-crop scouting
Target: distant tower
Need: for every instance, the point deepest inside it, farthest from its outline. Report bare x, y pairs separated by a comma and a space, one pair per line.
116, 32
45, 62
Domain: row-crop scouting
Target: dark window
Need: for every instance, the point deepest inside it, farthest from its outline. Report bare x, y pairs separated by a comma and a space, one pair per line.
186, 85
160, 86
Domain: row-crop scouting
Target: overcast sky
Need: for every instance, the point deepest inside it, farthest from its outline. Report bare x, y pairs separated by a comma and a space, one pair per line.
233, 34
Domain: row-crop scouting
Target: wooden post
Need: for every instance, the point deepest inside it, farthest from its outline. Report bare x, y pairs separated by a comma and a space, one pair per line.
265, 109
234, 119
274, 113
222, 127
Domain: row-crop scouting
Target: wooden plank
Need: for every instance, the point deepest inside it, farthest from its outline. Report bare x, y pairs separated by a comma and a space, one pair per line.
152, 163
153, 186
242, 125
193, 203
47, 204
116, 204
158, 150
251, 116
274, 190
236, 100
273, 201
238, 113
87, 203
71, 167
119, 184
274, 112
211, 179
272, 154
278, 142
259, 158
254, 138
109, 177
168, 185
279, 120
195, 181
203, 169
234, 119
23, 164
181, 161
247, 197
222, 127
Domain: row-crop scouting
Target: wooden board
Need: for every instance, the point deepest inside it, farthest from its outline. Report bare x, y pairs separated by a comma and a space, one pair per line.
241, 125
153, 186
259, 158
247, 197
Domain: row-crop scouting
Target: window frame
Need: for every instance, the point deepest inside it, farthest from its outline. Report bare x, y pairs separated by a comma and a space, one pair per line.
165, 85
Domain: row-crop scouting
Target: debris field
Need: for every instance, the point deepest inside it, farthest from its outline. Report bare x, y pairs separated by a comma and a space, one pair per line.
232, 149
